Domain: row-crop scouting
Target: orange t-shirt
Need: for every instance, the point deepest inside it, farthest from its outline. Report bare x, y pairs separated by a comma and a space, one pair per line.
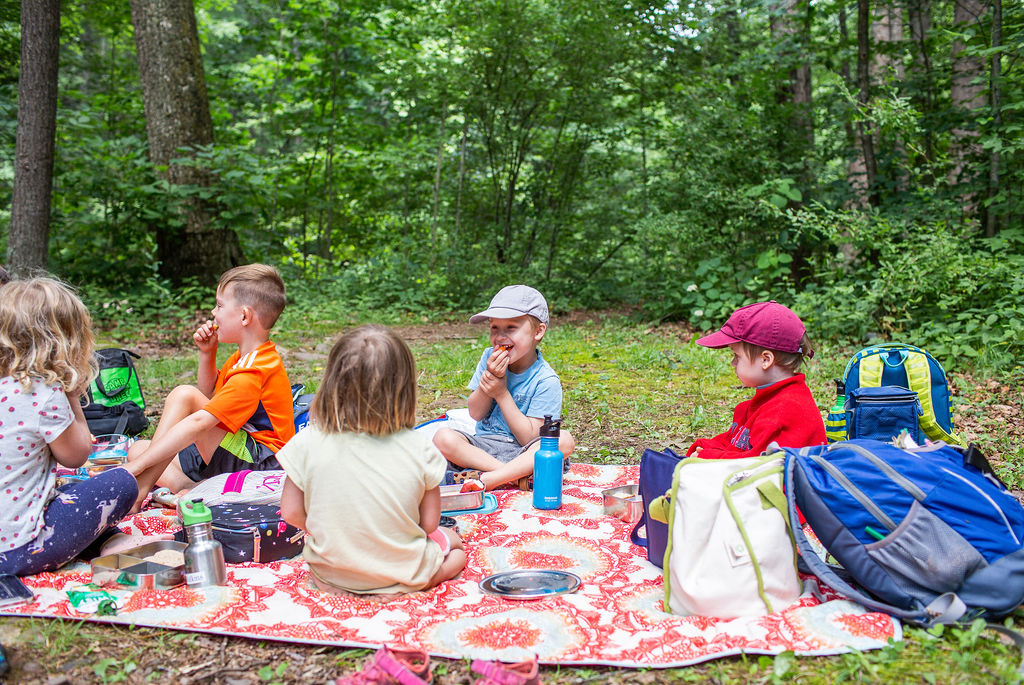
253, 393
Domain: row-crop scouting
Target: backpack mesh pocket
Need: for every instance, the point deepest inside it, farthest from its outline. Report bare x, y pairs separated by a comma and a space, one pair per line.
924, 549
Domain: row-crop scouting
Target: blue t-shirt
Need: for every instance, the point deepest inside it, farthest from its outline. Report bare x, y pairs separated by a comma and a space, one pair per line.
536, 391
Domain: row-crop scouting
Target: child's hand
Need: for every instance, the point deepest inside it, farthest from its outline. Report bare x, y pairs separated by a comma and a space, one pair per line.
497, 363
493, 386
206, 337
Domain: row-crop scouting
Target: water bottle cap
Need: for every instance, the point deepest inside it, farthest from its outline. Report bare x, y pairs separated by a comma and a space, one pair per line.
193, 512
551, 428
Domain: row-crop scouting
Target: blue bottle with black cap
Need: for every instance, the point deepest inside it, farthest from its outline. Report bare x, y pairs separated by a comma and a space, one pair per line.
547, 467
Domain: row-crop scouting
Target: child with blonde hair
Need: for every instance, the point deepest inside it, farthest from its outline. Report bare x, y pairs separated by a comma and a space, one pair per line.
46, 364
363, 485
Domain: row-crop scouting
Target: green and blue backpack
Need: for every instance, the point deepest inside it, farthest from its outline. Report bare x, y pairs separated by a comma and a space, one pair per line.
115, 404
888, 388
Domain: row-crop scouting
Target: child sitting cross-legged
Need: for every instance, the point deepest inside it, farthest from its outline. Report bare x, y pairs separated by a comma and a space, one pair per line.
236, 417
363, 485
46, 363
513, 388
768, 344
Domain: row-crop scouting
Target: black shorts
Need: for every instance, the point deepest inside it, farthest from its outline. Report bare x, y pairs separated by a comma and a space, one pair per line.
236, 452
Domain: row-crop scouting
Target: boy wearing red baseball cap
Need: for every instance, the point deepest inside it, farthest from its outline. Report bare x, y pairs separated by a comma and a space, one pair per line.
768, 344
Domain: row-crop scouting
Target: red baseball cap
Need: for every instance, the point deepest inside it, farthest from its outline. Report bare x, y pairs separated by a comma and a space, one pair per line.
765, 324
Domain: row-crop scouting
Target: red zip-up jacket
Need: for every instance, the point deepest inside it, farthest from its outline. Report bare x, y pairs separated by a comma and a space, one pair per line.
783, 412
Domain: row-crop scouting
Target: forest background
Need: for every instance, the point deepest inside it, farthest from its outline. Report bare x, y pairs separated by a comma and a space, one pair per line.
860, 161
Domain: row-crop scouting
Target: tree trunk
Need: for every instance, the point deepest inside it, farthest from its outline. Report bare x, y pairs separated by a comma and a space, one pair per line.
967, 97
855, 168
462, 179
886, 32
887, 66
995, 93
441, 142
919, 20
178, 121
790, 26
29, 237
864, 132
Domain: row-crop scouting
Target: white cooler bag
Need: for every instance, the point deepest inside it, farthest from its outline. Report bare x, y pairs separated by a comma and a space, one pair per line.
730, 552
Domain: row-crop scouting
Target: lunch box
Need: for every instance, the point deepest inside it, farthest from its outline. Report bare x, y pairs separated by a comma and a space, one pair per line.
130, 569
623, 502
453, 500
253, 533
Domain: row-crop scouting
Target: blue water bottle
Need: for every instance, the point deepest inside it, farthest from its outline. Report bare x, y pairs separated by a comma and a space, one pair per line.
547, 467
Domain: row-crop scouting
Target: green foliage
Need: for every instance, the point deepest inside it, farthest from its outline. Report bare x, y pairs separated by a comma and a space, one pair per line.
110, 670
272, 674
413, 157
151, 304
958, 295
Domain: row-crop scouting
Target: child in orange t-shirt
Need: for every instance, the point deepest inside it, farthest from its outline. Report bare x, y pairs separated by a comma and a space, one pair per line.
236, 417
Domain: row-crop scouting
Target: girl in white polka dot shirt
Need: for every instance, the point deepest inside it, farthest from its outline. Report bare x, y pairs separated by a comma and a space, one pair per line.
46, 364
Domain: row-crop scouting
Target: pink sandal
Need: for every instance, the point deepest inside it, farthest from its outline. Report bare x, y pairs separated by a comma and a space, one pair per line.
402, 666
497, 673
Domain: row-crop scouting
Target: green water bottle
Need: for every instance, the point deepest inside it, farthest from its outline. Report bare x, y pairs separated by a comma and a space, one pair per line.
835, 422
204, 556
840, 405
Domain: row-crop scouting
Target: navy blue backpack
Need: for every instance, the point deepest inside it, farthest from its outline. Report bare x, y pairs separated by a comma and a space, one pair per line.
929, 535
656, 471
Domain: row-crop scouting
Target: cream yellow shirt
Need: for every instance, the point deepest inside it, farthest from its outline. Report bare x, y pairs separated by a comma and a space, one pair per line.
362, 495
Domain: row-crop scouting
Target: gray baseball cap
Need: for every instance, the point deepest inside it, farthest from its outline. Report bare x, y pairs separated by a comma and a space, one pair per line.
512, 301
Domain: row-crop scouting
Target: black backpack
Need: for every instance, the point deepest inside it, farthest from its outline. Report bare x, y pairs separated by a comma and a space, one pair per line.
115, 398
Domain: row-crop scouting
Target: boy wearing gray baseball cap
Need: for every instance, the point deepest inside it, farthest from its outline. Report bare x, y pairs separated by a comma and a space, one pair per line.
513, 388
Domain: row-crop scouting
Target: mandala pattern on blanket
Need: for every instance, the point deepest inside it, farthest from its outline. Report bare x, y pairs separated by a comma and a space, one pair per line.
614, 618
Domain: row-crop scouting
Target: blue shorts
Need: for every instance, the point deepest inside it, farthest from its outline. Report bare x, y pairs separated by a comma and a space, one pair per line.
236, 452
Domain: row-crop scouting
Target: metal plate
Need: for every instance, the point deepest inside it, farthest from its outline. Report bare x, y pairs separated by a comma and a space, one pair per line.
530, 583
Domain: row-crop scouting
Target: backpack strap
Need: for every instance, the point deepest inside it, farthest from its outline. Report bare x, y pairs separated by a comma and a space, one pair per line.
115, 358
122, 423
772, 497
919, 378
634, 535
871, 371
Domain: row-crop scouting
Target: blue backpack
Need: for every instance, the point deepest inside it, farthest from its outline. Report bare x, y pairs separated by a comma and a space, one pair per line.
656, 473
889, 388
930, 534
300, 405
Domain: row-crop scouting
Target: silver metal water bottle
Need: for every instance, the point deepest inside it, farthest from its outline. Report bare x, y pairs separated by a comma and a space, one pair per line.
204, 556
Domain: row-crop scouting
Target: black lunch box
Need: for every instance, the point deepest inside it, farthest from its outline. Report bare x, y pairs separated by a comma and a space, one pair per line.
253, 533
